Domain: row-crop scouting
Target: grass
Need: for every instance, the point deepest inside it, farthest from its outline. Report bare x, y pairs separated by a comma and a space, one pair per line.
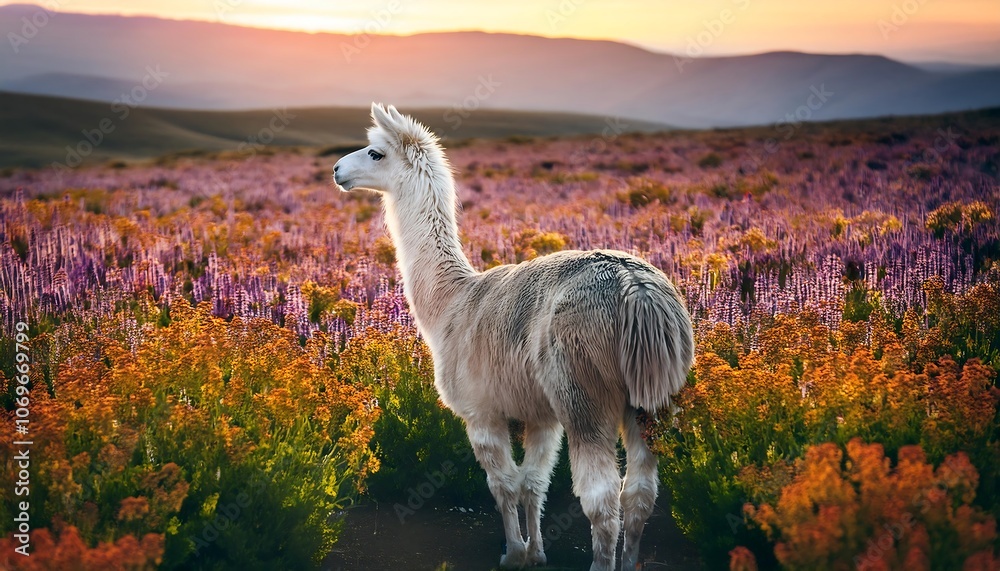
38, 128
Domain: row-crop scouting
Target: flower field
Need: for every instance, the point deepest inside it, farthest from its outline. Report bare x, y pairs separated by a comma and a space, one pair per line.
222, 359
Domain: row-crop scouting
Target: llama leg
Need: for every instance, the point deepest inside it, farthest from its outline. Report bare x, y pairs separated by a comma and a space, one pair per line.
638, 490
541, 450
598, 484
490, 441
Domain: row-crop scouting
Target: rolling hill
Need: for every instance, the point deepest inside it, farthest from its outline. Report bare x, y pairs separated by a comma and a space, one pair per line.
38, 129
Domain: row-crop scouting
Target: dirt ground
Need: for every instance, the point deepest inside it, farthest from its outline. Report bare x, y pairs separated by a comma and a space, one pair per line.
472, 539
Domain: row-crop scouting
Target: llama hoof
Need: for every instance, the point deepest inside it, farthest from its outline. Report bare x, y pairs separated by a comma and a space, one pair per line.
537, 559
515, 558
536, 553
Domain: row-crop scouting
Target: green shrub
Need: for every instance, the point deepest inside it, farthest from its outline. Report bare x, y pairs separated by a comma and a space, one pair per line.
643, 191
416, 438
710, 161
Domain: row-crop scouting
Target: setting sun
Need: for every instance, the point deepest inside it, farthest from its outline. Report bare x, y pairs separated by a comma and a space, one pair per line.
958, 30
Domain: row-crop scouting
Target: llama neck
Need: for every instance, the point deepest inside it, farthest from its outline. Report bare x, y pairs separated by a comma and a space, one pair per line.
429, 253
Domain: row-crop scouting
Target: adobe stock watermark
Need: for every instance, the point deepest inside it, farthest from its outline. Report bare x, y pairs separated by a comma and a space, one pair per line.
225, 516
562, 12
613, 128
32, 25
560, 523
711, 31
280, 119
375, 25
122, 107
901, 14
22, 442
945, 139
224, 7
249, 147
417, 496
787, 126
456, 114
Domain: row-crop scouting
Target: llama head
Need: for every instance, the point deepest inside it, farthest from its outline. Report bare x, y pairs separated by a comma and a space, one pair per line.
402, 156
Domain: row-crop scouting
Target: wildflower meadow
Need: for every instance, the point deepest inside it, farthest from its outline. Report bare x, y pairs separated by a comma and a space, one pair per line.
220, 359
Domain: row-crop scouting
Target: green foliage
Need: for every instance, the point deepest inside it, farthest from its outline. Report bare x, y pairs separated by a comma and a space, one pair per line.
253, 518
856, 305
321, 299
710, 161
643, 191
723, 190
697, 219
415, 435
965, 326
923, 172
531, 243
20, 245
705, 498
385, 251
958, 217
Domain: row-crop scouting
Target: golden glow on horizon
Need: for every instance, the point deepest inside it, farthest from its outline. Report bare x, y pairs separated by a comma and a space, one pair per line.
914, 29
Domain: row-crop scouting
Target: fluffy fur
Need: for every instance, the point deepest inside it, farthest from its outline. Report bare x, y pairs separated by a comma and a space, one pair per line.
574, 340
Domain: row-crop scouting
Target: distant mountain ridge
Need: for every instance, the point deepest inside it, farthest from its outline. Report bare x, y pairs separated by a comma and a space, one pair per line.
224, 67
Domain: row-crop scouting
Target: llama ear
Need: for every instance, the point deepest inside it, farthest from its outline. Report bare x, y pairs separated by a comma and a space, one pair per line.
381, 117
394, 113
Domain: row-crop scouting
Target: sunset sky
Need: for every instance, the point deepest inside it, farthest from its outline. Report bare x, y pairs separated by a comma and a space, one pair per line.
924, 30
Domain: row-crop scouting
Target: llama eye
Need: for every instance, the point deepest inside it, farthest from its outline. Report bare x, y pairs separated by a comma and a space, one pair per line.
375, 155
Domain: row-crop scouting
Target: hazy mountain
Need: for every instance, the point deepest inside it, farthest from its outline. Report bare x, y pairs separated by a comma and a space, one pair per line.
217, 66
951, 67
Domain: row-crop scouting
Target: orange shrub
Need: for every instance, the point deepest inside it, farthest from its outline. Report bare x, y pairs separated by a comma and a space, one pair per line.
203, 433
864, 514
68, 552
768, 389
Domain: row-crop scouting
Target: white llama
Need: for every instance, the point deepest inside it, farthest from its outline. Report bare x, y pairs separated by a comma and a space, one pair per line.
574, 340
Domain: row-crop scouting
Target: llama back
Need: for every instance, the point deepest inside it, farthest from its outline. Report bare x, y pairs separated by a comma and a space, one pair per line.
657, 340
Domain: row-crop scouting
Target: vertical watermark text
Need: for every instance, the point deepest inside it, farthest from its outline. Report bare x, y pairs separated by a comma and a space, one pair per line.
22, 440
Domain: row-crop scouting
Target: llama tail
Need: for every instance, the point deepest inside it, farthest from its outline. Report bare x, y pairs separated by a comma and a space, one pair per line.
657, 340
